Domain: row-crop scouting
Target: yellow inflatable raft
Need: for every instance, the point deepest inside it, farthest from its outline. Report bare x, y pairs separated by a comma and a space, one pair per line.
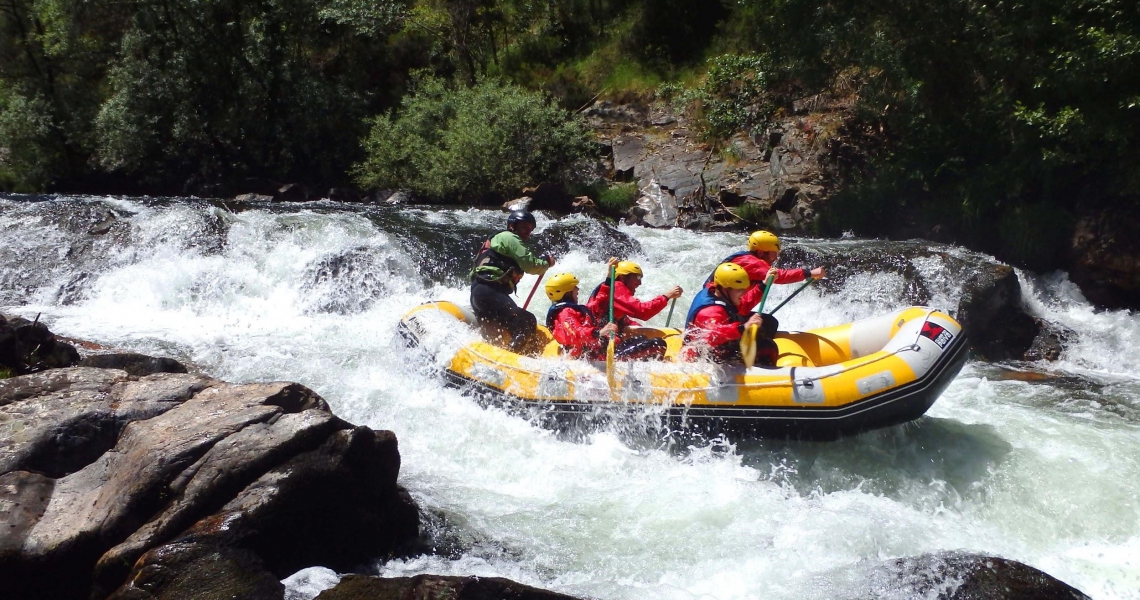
827, 382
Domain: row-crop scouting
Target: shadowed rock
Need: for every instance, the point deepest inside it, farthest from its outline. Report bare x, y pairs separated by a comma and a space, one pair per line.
138, 365
963, 576
357, 587
98, 467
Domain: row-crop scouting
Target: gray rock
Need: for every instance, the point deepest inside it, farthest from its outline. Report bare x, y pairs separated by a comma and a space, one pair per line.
292, 192
964, 576
253, 198
97, 468
399, 197
628, 152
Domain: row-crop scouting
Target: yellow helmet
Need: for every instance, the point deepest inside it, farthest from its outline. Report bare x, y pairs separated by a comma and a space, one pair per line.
628, 267
560, 285
731, 275
763, 241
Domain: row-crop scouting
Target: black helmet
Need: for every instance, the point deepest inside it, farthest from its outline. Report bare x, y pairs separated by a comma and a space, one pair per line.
520, 216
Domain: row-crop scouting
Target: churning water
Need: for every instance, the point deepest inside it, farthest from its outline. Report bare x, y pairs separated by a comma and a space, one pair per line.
1043, 469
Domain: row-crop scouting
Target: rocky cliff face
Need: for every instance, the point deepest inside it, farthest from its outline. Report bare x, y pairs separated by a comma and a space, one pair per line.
783, 179
775, 180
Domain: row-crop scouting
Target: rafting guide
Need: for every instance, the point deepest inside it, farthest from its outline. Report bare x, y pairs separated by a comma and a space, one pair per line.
499, 265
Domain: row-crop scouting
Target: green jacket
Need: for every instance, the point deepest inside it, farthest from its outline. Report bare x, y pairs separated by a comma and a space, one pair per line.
502, 254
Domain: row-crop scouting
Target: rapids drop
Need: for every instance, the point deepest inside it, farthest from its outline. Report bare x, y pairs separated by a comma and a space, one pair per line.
1044, 470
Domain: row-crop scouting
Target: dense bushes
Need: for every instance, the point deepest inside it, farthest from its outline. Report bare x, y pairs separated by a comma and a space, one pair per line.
992, 122
455, 142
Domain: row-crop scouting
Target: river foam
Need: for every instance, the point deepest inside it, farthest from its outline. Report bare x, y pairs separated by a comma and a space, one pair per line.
1046, 471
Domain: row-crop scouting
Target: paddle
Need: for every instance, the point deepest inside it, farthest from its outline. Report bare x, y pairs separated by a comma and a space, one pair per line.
531, 295
610, 347
670, 316
810, 281
748, 337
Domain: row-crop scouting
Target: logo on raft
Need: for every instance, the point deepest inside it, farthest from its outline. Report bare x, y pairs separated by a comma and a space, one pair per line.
936, 333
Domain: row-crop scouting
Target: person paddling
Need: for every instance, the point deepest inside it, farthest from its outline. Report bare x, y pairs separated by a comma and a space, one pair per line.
719, 316
499, 265
578, 332
763, 250
626, 306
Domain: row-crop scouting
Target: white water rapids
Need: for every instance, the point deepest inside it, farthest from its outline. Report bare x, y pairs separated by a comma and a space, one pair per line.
1046, 471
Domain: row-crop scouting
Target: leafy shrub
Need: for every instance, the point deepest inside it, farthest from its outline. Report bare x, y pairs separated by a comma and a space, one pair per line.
467, 143
26, 152
733, 97
617, 198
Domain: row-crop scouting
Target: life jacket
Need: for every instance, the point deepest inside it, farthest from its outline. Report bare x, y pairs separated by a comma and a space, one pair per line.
705, 299
486, 257
729, 258
552, 312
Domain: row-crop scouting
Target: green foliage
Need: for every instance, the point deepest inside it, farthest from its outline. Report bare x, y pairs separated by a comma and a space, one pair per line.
464, 143
617, 198
750, 212
26, 153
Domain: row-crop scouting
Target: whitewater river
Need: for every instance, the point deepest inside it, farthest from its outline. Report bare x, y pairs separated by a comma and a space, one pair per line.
1041, 470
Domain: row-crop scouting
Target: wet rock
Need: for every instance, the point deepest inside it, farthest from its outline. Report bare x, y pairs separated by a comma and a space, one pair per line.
134, 364
104, 225
963, 576
520, 203
292, 192
993, 315
400, 197
202, 572
253, 198
352, 281
598, 239
107, 467
28, 347
359, 587
550, 197
343, 195
659, 206
1105, 257
586, 206
1050, 341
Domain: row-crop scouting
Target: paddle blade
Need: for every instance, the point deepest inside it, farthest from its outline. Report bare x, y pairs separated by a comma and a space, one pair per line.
610, 378
748, 345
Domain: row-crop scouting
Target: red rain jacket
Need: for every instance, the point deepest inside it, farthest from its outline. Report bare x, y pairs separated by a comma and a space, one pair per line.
625, 305
575, 332
758, 269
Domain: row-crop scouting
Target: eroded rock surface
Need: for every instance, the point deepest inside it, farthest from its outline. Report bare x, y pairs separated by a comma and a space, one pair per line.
98, 468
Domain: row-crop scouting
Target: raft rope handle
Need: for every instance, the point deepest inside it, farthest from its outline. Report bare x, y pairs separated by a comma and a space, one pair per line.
761, 384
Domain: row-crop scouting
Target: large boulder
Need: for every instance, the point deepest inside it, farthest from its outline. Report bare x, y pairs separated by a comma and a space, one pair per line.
27, 347
358, 587
598, 239
105, 467
993, 315
1105, 257
965, 576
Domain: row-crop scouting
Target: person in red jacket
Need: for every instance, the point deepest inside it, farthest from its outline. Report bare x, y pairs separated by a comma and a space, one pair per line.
577, 331
718, 318
763, 248
626, 306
